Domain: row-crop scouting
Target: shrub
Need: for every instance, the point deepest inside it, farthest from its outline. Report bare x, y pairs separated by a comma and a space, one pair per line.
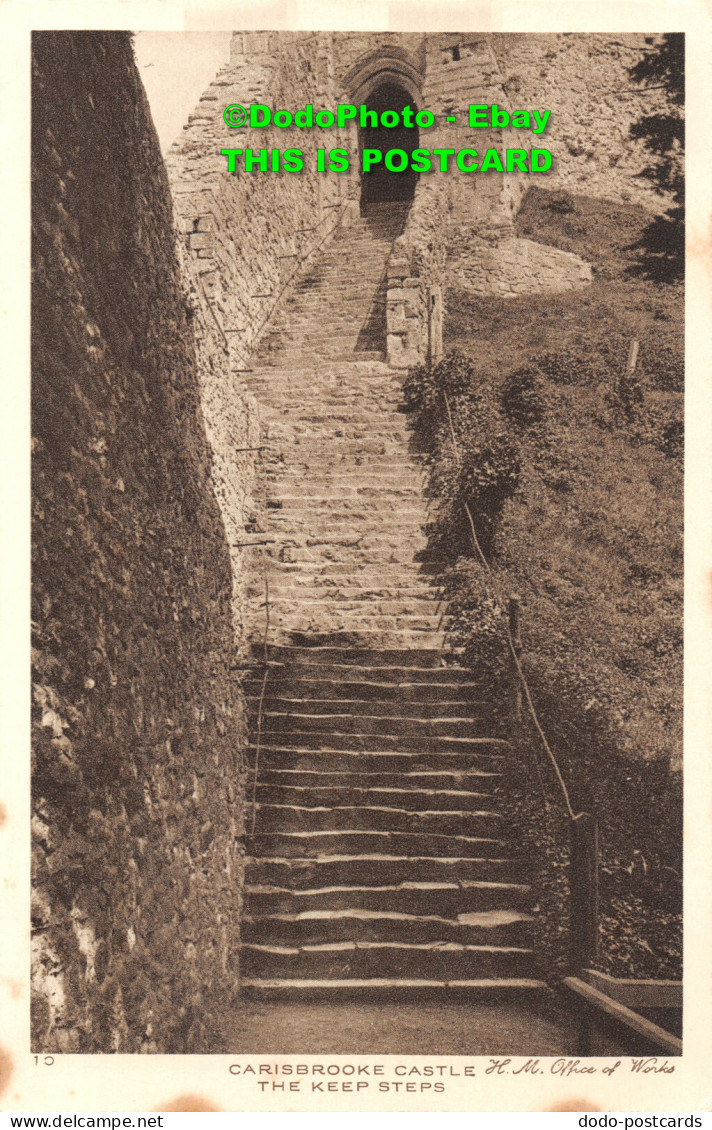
455, 374
523, 396
488, 475
481, 468
477, 624
665, 367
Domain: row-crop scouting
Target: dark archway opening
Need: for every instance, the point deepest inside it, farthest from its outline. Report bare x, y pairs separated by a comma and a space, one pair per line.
379, 186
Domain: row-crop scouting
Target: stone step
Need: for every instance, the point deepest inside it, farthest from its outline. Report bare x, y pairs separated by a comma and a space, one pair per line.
288, 577
289, 818
354, 262
340, 292
374, 396
359, 370
331, 611
296, 341
390, 512
287, 635
351, 796
359, 414
311, 927
380, 442
387, 514
359, 313
391, 959
384, 433
382, 628
345, 384
360, 597
350, 593
378, 527
345, 732
344, 486
360, 264
400, 695
306, 719
304, 470
405, 989
330, 597
373, 454
418, 601
309, 705
371, 716
357, 268
280, 547
338, 287
287, 358
369, 444
462, 781
355, 508
352, 310
276, 399
307, 844
349, 655
448, 882
428, 572
399, 456
332, 669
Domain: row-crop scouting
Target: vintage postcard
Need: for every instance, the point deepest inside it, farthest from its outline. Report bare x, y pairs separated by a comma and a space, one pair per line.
356, 389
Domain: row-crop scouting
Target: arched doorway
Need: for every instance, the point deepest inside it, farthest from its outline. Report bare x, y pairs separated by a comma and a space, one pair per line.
379, 185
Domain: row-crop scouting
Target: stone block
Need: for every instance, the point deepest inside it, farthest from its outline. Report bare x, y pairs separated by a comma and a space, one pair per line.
396, 321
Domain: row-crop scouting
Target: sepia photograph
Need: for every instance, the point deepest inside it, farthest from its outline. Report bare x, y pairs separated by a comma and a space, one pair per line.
358, 370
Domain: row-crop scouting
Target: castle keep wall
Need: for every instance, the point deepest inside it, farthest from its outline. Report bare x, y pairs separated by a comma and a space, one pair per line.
246, 232
138, 721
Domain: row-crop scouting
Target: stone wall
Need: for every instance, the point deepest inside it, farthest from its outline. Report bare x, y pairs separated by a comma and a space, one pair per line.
138, 723
416, 271
250, 234
500, 264
460, 231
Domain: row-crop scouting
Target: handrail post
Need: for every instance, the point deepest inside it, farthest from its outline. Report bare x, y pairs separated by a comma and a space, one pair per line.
515, 622
434, 300
583, 886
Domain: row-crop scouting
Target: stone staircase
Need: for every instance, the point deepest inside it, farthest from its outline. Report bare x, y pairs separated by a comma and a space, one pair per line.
379, 860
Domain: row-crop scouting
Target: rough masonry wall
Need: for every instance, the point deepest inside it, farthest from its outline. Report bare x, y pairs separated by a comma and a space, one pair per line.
249, 234
585, 81
138, 721
460, 230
